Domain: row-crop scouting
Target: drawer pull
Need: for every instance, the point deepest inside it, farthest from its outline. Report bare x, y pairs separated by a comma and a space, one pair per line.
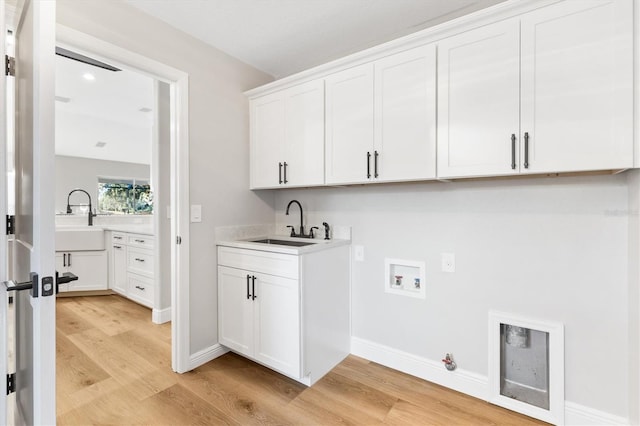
117, 247
139, 241
139, 260
140, 288
117, 238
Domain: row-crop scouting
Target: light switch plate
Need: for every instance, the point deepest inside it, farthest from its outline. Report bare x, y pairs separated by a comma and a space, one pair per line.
196, 213
358, 253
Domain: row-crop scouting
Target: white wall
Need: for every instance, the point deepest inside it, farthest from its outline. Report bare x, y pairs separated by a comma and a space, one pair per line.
76, 172
218, 134
554, 249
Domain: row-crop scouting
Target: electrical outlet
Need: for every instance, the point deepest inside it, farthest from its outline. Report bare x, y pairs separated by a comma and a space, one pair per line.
358, 253
448, 262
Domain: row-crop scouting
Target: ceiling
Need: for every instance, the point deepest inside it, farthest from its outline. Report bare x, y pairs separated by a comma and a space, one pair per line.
105, 111
282, 37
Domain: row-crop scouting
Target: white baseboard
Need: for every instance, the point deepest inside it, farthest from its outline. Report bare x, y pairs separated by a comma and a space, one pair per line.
206, 355
463, 381
160, 316
576, 414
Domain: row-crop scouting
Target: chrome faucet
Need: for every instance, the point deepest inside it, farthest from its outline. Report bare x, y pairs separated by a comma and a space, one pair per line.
293, 230
69, 210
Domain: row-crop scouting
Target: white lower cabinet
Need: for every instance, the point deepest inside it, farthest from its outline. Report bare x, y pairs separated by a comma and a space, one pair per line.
271, 310
132, 267
89, 266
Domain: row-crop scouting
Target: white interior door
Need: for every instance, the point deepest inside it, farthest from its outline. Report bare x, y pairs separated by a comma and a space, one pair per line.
34, 230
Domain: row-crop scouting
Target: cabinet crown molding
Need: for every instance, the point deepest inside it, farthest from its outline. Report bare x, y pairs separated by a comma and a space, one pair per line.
498, 12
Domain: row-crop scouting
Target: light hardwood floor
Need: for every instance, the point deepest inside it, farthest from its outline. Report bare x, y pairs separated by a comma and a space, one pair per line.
114, 367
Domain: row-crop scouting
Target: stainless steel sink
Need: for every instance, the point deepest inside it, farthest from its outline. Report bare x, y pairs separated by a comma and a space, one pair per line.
282, 242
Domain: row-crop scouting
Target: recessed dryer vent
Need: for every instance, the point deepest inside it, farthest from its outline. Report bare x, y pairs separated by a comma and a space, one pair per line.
526, 371
405, 277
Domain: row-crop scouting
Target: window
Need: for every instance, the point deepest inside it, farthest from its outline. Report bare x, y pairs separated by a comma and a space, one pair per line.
124, 196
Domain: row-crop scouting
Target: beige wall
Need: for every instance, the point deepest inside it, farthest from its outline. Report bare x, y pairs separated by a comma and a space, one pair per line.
218, 132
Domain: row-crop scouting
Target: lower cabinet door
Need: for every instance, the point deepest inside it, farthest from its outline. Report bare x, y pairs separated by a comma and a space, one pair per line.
119, 269
235, 309
276, 310
91, 269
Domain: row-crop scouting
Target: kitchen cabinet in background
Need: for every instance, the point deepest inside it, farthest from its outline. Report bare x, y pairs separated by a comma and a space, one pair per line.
89, 266
132, 267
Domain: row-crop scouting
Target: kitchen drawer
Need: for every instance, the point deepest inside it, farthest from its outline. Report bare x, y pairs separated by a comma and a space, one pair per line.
118, 238
140, 289
142, 241
140, 261
281, 265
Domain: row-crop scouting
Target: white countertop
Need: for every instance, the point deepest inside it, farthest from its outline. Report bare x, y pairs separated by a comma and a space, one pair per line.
317, 244
132, 229
142, 229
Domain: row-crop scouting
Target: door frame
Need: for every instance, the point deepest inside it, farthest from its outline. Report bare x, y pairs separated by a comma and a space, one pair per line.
179, 170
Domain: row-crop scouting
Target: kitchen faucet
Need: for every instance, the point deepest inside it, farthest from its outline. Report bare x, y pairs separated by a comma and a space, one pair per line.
69, 211
293, 230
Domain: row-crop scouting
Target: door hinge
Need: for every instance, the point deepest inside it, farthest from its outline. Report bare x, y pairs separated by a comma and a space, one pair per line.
9, 66
11, 224
178, 239
11, 383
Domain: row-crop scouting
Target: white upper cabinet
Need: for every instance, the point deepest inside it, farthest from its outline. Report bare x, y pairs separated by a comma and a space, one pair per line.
383, 131
478, 101
548, 91
577, 86
405, 116
287, 137
349, 125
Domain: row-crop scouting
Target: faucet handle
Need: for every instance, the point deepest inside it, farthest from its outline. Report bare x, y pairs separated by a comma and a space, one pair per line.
311, 235
293, 231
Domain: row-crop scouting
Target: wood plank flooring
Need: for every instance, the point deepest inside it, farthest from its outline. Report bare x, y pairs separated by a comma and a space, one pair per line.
114, 367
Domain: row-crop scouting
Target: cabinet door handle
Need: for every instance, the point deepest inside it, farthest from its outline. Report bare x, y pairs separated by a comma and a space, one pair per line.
368, 165
285, 172
140, 241
140, 288
513, 151
69, 259
253, 287
248, 294
280, 173
375, 164
526, 150
139, 260
64, 259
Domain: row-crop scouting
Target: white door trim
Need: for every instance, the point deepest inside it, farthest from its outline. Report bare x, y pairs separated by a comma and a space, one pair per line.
179, 82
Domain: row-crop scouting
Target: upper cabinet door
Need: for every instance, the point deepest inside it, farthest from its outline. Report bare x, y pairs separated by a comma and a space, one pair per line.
577, 86
304, 134
479, 102
405, 116
349, 126
267, 140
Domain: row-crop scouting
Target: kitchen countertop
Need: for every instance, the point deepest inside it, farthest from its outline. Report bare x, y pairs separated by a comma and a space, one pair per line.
132, 229
142, 229
318, 244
